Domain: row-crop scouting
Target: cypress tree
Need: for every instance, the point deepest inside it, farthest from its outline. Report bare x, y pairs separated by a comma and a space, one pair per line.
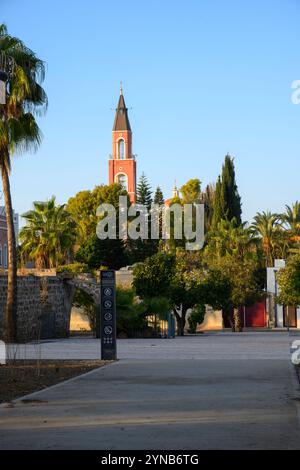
217, 209
207, 198
159, 199
230, 198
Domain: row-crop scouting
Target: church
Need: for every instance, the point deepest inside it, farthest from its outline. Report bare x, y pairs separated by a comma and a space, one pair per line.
122, 170
122, 163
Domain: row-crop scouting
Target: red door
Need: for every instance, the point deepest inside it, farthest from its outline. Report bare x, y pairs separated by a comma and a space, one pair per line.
254, 316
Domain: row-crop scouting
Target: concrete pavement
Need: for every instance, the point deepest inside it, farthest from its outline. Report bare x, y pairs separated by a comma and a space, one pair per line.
209, 392
262, 345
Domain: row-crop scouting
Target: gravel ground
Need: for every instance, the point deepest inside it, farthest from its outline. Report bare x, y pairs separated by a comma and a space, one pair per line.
21, 377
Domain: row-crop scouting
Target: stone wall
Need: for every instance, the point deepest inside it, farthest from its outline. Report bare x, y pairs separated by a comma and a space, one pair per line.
44, 306
29, 308
45, 300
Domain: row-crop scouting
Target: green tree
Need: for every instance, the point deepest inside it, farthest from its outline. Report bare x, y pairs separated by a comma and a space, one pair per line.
153, 277
18, 132
218, 290
48, 235
291, 218
130, 313
228, 238
196, 317
158, 197
96, 253
89, 249
289, 282
230, 199
235, 269
83, 207
191, 191
291, 222
267, 226
217, 206
208, 198
143, 192
187, 288
177, 278
233, 283
158, 307
140, 249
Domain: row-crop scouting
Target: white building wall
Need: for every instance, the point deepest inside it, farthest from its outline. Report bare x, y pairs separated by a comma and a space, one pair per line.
273, 289
279, 315
298, 317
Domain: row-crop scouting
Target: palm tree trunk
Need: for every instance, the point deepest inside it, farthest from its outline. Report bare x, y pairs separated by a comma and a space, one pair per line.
10, 316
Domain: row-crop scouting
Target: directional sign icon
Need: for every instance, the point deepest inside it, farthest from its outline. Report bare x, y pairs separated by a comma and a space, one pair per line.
107, 291
107, 303
108, 316
108, 330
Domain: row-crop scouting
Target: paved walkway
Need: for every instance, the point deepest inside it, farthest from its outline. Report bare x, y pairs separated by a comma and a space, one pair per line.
225, 391
263, 345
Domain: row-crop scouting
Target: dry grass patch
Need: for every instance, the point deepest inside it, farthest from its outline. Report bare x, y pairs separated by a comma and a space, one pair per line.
20, 377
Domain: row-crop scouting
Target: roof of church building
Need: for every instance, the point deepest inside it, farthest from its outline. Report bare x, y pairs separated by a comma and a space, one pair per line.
121, 122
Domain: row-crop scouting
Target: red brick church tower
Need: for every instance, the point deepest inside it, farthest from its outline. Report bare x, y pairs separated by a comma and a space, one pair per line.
122, 164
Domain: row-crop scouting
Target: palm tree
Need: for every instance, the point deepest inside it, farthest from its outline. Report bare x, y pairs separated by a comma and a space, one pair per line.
291, 220
291, 217
49, 234
267, 226
230, 239
18, 132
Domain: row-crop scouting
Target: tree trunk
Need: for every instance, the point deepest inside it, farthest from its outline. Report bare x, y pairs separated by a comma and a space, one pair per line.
237, 320
180, 326
226, 313
180, 320
10, 316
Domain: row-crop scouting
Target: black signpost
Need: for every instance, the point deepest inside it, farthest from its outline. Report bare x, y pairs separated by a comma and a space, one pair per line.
108, 315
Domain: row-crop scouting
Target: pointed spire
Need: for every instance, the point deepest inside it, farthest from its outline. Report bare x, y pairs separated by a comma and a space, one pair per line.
175, 192
121, 122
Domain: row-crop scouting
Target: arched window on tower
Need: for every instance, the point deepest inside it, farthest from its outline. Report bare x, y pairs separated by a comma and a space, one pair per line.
122, 180
121, 149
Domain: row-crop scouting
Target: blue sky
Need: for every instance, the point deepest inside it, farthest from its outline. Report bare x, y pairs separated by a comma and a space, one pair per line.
203, 78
